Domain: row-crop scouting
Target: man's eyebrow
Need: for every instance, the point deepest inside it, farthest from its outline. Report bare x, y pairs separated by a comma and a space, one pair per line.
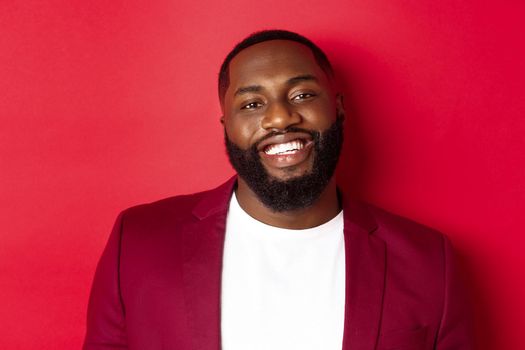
299, 78
259, 88
247, 89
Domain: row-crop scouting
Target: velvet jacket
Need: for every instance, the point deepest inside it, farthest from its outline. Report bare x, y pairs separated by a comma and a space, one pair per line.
157, 284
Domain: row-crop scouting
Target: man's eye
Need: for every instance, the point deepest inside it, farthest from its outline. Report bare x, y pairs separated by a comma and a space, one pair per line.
303, 96
251, 105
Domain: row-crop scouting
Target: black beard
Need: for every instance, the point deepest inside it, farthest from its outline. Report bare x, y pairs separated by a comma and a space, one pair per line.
298, 192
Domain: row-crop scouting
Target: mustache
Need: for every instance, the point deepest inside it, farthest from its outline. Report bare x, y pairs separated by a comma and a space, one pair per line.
312, 133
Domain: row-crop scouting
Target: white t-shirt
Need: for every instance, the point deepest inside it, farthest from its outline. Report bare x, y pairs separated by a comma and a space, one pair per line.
282, 289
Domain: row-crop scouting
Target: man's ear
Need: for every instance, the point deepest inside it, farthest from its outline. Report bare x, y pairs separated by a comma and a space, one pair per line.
222, 119
340, 107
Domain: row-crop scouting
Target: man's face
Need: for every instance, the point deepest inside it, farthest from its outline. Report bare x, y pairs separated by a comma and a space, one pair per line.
278, 108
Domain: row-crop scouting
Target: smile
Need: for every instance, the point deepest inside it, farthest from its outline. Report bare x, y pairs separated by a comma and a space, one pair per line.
286, 154
284, 148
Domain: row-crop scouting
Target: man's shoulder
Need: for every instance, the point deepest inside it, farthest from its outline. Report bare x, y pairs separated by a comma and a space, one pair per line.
182, 207
180, 204
404, 234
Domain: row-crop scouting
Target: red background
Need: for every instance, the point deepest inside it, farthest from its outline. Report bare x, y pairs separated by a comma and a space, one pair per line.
107, 104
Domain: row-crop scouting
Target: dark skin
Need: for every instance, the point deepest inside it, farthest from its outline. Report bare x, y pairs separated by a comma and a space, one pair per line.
274, 85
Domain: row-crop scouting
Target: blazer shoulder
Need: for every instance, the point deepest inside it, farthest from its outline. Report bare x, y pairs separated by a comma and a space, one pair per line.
180, 208
404, 233
180, 204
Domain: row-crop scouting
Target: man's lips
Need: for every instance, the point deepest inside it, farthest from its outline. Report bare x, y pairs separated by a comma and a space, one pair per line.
285, 150
288, 137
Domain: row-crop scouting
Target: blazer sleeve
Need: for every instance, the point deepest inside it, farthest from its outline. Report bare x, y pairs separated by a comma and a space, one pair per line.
106, 327
455, 330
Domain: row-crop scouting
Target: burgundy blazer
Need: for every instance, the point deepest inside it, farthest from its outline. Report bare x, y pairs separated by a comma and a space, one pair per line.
157, 285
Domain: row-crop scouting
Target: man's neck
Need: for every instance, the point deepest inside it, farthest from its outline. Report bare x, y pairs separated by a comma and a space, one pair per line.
323, 210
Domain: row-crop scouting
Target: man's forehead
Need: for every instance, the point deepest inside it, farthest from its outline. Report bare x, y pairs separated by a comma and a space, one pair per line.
274, 57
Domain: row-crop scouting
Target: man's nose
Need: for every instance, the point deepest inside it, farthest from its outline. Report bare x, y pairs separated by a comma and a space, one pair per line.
280, 116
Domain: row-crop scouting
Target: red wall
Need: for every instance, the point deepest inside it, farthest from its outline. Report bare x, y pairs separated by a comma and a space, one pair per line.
106, 104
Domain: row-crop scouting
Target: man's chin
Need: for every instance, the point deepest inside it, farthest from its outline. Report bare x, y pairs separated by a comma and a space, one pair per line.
288, 173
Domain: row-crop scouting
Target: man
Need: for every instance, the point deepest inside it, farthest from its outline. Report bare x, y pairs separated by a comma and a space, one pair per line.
275, 258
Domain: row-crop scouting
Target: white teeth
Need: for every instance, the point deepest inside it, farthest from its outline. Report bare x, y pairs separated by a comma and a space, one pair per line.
284, 148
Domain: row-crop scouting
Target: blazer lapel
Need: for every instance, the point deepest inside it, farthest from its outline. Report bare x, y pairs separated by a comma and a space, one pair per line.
365, 275
202, 255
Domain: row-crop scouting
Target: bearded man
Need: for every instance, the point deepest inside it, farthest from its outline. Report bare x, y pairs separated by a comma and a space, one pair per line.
277, 257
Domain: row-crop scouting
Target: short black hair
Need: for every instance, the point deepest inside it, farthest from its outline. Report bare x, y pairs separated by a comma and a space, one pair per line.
267, 35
